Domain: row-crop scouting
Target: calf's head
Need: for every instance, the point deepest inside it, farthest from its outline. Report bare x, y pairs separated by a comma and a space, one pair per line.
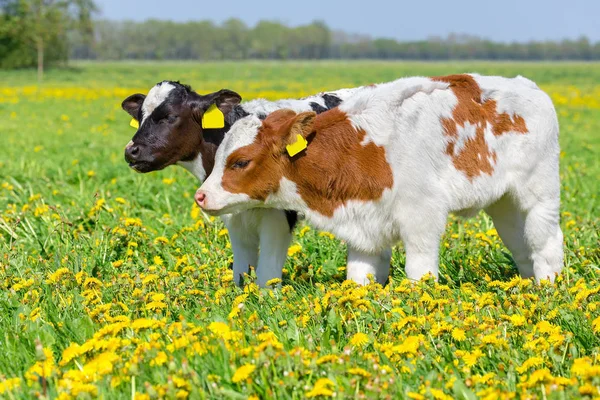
170, 126
252, 160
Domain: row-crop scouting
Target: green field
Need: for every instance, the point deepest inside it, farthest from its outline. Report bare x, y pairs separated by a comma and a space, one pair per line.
114, 285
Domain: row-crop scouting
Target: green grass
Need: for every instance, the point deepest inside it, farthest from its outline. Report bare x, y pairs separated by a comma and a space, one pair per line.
68, 200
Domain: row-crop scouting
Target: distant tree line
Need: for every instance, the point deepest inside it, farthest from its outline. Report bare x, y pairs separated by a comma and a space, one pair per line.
234, 40
34, 31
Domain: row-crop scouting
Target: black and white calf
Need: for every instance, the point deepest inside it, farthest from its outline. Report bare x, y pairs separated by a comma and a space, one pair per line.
171, 132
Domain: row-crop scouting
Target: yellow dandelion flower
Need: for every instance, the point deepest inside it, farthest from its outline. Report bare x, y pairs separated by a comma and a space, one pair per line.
588, 389
155, 305
158, 297
219, 328
133, 222
458, 334
327, 358
539, 376
243, 372
158, 260
57, 275
303, 231
161, 239
294, 249
273, 282
78, 388
35, 314
322, 387
92, 283
360, 372
160, 359
145, 323
195, 212
9, 384
359, 339
518, 320
409, 346
150, 278
471, 358
596, 325
439, 394
530, 362
168, 181
327, 234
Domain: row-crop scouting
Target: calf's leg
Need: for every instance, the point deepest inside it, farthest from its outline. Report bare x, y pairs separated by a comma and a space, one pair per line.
539, 198
509, 221
360, 265
275, 237
244, 244
420, 231
545, 240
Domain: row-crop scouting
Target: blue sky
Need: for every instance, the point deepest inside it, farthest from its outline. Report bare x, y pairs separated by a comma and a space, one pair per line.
508, 20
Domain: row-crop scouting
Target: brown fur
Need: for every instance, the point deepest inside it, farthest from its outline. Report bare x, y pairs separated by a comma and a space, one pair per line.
334, 169
475, 158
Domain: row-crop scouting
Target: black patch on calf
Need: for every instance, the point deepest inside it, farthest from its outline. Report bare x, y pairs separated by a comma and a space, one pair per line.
261, 116
331, 101
236, 114
316, 107
292, 218
216, 136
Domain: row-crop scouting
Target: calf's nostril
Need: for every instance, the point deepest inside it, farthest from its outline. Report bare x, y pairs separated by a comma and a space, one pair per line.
200, 197
132, 153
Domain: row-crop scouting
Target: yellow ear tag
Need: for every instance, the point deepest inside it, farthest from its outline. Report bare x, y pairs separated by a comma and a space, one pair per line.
297, 146
213, 118
134, 123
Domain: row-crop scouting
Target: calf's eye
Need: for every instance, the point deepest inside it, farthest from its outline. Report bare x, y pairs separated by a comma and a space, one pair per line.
240, 164
172, 118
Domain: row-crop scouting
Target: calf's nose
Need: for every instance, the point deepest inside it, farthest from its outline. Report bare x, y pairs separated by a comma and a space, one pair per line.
132, 152
200, 197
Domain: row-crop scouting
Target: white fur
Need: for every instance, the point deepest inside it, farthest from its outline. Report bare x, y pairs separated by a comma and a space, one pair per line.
404, 117
262, 106
155, 97
195, 167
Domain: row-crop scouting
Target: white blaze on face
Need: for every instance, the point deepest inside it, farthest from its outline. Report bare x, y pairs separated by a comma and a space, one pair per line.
155, 97
242, 133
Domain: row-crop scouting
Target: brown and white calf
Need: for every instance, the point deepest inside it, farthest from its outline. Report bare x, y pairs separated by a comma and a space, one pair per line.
393, 160
171, 132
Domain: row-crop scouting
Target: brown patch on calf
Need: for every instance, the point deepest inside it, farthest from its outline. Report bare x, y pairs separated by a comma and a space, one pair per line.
262, 175
475, 158
334, 169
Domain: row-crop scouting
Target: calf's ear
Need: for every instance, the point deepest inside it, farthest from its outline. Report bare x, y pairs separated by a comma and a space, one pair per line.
303, 125
224, 99
132, 104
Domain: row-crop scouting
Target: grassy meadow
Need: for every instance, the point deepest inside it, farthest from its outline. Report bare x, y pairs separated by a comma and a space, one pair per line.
114, 285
